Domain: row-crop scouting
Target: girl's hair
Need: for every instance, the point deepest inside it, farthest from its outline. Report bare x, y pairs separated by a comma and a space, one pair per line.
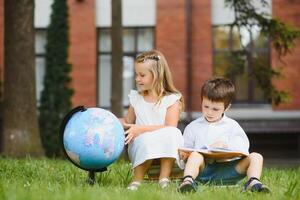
218, 89
162, 78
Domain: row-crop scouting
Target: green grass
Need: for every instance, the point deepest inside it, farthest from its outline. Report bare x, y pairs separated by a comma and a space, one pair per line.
59, 179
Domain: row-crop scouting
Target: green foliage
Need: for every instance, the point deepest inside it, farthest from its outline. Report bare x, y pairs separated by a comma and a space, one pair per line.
56, 96
58, 179
263, 75
282, 37
237, 61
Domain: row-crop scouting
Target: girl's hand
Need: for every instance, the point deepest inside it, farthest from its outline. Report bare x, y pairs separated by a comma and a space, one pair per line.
219, 144
132, 132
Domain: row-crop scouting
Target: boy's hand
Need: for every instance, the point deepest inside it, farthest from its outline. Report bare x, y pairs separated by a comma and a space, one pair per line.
132, 131
184, 155
219, 144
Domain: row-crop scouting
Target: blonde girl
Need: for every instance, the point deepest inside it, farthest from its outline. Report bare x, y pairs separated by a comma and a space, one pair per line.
152, 119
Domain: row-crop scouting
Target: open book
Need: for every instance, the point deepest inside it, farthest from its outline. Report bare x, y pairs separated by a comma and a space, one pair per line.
216, 153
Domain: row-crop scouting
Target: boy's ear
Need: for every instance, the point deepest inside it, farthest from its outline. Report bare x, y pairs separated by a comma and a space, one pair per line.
228, 107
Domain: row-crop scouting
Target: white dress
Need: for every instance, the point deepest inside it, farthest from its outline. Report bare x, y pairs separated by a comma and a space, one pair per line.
160, 143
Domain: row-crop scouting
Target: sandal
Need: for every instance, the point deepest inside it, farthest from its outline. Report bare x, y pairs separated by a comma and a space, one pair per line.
164, 182
133, 185
188, 185
254, 185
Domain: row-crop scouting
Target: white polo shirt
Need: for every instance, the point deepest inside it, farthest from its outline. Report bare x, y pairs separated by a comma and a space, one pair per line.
200, 133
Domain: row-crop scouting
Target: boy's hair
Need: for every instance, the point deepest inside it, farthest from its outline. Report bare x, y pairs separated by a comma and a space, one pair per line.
218, 89
162, 79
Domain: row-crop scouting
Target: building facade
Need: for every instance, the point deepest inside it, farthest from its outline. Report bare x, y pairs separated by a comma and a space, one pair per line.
193, 35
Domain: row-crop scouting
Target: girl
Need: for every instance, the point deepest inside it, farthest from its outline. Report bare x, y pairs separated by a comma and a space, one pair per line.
152, 119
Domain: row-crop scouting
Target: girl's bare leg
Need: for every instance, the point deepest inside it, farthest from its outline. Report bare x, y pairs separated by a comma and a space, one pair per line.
140, 171
166, 165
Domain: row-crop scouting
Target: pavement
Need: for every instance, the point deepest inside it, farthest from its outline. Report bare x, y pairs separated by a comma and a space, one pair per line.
282, 163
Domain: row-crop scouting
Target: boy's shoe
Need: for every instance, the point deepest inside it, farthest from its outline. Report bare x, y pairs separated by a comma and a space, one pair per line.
133, 185
254, 185
164, 182
188, 185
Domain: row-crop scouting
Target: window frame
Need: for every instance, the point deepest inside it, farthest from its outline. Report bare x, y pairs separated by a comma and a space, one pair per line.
132, 54
41, 56
250, 100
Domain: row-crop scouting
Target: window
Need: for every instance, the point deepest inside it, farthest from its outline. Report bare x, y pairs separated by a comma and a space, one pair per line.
135, 41
40, 64
226, 44
229, 59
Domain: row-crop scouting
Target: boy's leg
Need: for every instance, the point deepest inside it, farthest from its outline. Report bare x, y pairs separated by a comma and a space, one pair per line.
252, 165
194, 164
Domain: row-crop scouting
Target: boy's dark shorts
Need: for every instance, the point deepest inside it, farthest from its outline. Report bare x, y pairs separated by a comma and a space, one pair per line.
220, 173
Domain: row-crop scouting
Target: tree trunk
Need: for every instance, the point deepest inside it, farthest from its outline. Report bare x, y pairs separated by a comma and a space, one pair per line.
117, 59
20, 125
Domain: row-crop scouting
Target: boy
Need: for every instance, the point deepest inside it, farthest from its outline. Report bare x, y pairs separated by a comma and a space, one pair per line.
215, 129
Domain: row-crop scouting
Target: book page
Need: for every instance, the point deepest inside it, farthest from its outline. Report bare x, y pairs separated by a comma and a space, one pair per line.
191, 149
220, 149
215, 153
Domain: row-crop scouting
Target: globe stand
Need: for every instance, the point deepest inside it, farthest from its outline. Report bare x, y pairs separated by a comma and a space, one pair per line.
92, 174
91, 178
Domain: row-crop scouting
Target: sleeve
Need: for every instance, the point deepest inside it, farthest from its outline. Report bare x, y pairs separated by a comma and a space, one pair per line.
239, 140
133, 97
170, 100
188, 137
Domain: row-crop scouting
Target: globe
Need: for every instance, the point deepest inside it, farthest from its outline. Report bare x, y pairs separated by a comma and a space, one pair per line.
93, 138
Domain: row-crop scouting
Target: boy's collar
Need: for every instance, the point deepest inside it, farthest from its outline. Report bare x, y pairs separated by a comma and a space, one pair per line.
224, 117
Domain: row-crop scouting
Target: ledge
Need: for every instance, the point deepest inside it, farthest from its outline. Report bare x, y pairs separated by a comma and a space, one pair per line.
260, 120
255, 114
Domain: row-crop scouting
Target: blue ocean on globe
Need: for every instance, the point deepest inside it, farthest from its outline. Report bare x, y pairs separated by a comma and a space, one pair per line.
93, 138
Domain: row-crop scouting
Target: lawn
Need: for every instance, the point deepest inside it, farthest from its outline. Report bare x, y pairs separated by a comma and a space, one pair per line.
59, 179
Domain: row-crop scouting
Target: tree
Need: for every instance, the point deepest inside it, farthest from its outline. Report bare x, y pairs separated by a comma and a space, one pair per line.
282, 37
56, 96
116, 59
20, 124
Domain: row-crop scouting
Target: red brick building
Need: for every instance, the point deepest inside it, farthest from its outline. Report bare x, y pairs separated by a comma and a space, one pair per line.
188, 32
195, 38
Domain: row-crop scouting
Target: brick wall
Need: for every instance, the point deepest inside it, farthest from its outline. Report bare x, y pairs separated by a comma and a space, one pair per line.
83, 51
171, 39
201, 48
288, 11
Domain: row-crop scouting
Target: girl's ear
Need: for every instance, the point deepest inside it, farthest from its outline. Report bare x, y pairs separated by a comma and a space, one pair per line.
228, 107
